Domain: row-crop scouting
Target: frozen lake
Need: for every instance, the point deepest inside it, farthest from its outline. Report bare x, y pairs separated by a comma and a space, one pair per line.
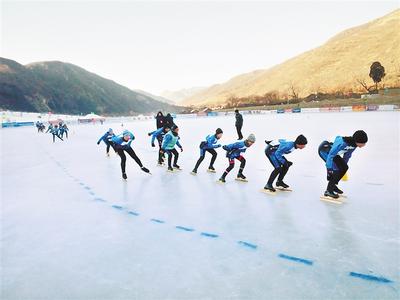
71, 228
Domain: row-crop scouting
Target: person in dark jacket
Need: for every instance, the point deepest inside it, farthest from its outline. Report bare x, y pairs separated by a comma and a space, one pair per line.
239, 124
169, 121
160, 120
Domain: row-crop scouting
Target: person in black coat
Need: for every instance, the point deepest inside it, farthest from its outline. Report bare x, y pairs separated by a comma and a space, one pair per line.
169, 121
239, 124
160, 120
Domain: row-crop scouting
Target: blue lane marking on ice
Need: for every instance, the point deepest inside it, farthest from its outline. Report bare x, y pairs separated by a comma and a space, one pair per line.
157, 221
117, 207
243, 243
184, 228
296, 259
133, 213
91, 193
211, 235
247, 244
370, 277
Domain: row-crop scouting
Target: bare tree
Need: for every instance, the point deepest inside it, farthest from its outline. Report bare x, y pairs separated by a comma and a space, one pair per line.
364, 85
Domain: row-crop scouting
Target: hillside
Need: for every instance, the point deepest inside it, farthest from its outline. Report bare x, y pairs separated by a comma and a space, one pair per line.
335, 66
65, 88
180, 95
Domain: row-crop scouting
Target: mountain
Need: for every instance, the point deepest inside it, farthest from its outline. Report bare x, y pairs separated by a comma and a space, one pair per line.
180, 95
158, 98
334, 66
65, 88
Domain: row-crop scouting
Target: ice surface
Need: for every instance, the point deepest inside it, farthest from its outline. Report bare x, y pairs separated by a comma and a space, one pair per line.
72, 229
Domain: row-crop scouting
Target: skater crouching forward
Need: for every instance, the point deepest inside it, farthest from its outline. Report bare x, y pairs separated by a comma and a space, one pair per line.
209, 145
275, 151
233, 151
121, 144
336, 165
170, 140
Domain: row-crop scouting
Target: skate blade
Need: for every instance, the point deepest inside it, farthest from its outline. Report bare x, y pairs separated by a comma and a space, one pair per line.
343, 196
220, 182
268, 192
211, 171
158, 165
283, 189
176, 169
193, 173
330, 199
170, 171
242, 180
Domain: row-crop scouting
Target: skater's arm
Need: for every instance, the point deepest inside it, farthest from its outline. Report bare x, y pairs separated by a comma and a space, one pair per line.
102, 138
336, 147
178, 144
283, 147
347, 155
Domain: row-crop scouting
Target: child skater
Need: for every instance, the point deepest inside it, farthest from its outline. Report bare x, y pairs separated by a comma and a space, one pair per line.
233, 151
121, 144
275, 151
106, 138
55, 131
170, 140
159, 135
336, 156
209, 145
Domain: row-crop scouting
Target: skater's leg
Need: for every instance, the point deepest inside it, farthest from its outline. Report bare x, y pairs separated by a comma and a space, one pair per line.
229, 168
242, 164
176, 156
283, 170
169, 159
54, 138
274, 162
123, 159
199, 161
134, 156
108, 147
213, 158
342, 168
160, 154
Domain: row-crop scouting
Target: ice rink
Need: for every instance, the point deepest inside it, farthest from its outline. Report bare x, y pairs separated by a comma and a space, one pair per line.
71, 228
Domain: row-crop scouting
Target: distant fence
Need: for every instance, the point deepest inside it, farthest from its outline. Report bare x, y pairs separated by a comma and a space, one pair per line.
354, 108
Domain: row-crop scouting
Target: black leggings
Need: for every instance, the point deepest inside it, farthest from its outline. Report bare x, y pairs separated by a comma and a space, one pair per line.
54, 137
160, 154
337, 174
281, 170
123, 157
213, 158
108, 146
232, 165
176, 155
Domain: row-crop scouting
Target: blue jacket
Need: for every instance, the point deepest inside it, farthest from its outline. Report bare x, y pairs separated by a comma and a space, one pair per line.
170, 140
339, 147
281, 147
156, 134
106, 137
234, 150
120, 142
211, 142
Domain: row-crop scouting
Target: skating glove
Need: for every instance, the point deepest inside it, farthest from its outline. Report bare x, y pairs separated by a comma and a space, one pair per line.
289, 163
98, 143
329, 174
153, 145
225, 148
181, 149
217, 146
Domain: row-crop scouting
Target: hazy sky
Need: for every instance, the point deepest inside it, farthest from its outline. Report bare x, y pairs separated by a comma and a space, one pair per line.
157, 46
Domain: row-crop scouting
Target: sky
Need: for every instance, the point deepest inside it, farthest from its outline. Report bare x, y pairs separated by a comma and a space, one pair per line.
158, 46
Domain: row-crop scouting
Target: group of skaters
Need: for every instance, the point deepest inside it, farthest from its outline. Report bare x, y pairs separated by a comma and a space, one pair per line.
57, 130
335, 154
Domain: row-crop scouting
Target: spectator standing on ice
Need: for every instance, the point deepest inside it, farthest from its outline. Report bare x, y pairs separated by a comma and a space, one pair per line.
159, 135
169, 120
239, 124
160, 120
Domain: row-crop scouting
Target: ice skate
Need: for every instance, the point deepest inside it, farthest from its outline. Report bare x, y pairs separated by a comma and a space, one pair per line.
241, 177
